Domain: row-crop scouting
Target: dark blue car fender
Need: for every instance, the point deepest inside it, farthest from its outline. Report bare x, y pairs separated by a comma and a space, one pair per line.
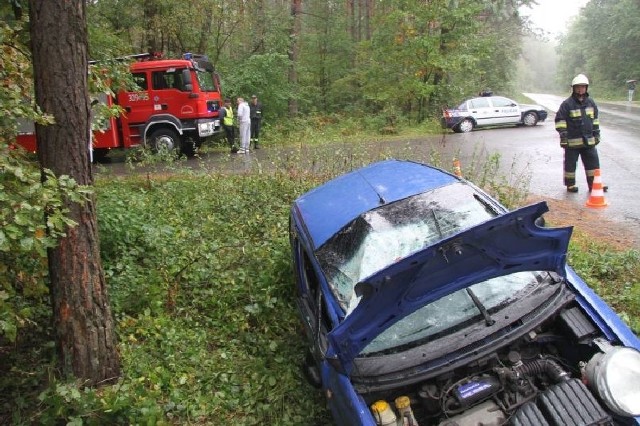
601, 313
348, 408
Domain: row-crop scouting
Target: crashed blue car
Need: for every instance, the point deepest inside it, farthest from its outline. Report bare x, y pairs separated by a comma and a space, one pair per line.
425, 301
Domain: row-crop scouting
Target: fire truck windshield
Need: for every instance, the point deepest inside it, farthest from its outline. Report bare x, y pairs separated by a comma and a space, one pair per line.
206, 81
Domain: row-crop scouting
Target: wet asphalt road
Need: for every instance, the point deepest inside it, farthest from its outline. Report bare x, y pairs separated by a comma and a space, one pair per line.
525, 153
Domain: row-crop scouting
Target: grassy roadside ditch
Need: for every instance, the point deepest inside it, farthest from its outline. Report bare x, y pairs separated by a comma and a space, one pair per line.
200, 282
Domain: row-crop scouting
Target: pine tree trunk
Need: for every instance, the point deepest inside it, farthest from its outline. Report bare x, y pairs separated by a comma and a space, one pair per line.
296, 13
82, 319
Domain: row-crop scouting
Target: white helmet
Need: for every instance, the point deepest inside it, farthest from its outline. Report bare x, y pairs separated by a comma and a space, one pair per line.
579, 80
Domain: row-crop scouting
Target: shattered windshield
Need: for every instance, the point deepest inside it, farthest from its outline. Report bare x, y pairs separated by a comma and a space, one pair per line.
455, 310
381, 237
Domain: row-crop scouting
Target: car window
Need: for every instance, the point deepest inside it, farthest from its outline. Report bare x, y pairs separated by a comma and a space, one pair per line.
451, 312
141, 80
462, 106
479, 103
502, 102
381, 237
206, 81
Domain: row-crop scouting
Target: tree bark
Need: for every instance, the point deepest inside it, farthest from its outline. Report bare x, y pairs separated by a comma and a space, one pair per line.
84, 327
150, 12
351, 25
368, 20
296, 13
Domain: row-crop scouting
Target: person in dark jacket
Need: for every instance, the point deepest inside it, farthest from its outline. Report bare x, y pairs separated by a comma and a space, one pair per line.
579, 128
256, 118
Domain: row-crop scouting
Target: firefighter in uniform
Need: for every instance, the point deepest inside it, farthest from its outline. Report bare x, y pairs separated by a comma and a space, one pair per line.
256, 119
579, 128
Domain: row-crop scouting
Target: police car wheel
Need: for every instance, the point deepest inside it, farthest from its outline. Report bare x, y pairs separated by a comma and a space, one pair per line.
465, 126
530, 119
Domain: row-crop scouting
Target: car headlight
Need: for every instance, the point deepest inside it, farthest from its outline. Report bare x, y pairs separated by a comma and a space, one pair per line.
615, 376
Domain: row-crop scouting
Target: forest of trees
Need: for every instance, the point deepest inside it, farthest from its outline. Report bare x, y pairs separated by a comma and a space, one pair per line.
366, 56
600, 42
603, 43
352, 56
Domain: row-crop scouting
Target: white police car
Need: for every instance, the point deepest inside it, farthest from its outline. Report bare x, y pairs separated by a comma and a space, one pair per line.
488, 110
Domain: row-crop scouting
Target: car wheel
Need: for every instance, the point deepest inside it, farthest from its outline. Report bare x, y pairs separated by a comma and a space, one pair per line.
530, 119
465, 126
164, 139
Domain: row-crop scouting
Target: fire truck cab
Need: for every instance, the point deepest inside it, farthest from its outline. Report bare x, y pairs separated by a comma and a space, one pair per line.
176, 107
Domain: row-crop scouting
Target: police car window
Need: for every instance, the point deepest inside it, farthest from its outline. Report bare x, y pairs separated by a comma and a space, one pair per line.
479, 103
502, 102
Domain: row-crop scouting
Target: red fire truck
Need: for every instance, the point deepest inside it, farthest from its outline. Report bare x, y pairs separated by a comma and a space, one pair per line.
176, 108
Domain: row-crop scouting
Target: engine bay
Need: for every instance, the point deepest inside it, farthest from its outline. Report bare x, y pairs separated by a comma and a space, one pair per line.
541, 379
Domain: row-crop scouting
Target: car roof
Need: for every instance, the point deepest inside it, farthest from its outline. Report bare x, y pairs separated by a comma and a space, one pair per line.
328, 208
160, 64
490, 97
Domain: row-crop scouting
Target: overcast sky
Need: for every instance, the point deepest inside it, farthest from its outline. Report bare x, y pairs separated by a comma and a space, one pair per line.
553, 15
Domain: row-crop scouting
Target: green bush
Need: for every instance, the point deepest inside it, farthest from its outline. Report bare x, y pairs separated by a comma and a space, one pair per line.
201, 285
613, 274
33, 209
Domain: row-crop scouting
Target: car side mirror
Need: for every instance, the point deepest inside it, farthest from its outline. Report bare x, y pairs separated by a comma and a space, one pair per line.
186, 80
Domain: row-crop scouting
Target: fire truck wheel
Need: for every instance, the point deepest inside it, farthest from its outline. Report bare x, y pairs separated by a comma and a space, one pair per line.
164, 140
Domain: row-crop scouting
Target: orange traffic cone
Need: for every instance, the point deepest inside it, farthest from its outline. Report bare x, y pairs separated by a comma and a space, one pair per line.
596, 198
456, 168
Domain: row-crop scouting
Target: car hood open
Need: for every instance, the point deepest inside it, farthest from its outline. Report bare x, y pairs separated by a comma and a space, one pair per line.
506, 244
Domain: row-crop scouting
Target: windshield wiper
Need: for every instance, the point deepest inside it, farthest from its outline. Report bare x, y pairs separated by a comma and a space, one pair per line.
437, 222
489, 208
487, 318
